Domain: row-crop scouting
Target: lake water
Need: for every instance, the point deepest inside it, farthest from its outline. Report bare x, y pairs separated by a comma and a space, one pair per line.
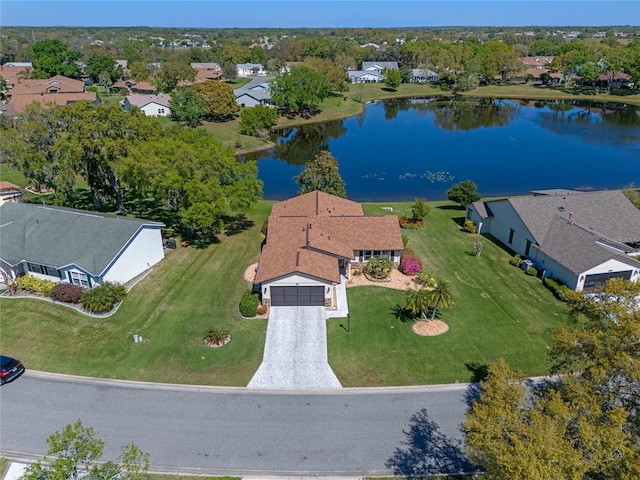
400, 149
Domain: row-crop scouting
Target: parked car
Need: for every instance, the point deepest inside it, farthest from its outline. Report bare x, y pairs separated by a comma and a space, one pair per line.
10, 369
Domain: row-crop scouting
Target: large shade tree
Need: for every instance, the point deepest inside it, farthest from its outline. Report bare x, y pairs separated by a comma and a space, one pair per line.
584, 424
53, 57
219, 99
300, 90
463, 193
322, 173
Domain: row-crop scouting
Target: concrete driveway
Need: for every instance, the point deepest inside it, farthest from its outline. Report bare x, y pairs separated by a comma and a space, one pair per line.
295, 351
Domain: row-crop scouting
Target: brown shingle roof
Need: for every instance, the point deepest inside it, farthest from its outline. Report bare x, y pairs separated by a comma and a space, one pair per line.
57, 84
18, 103
311, 244
316, 203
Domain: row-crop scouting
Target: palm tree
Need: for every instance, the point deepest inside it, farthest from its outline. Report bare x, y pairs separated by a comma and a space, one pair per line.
25, 74
441, 296
418, 301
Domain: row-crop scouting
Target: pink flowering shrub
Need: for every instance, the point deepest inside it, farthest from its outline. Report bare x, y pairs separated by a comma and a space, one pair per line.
410, 263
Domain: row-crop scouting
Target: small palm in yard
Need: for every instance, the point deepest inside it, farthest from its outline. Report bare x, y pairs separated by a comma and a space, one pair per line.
441, 296
418, 301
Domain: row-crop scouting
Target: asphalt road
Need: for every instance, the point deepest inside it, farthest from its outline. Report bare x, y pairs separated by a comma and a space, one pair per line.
215, 431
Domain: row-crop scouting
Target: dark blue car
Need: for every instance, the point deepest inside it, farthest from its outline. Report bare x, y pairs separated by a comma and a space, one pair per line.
10, 369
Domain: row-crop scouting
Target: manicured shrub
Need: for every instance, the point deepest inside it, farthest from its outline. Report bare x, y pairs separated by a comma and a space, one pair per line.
405, 241
379, 267
249, 304
103, 297
410, 264
216, 335
409, 224
531, 271
33, 284
562, 292
67, 292
470, 227
516, 261
425, 278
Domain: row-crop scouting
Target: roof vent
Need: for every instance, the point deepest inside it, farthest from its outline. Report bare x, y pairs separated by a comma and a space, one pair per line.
561, 208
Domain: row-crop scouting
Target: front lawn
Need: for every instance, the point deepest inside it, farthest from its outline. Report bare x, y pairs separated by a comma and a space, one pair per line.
500, 312
186, 293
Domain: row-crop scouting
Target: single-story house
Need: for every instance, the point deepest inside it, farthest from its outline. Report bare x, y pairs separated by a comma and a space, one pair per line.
421, 75
76, 246
136, 87
57, 90
313, 240
379, 67
254, 94
249, 69
364, 76
9, 192
151, 105
580, 238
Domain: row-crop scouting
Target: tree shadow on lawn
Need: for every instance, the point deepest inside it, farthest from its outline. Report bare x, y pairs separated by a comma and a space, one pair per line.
451, 207
426, 452
404, 314
236, 224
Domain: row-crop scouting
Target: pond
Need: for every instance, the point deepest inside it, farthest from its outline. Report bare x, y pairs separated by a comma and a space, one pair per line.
400, 149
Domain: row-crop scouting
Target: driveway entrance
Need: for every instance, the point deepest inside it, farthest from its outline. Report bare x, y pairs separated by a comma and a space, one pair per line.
295, 351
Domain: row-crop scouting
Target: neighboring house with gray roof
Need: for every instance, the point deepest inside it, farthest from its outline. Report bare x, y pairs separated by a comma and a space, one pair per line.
364, 76
76, 246
379, 67
580, 238
157, 105
256, 92
421, 75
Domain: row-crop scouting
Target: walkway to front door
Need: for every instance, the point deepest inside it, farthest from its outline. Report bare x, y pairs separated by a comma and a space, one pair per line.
295, 351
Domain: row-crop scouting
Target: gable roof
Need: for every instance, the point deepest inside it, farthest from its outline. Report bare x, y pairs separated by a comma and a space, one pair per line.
316, 203
18, 103
580, 249
58, 83
308, 233
379, 65
140, 100
59, 237
608, 213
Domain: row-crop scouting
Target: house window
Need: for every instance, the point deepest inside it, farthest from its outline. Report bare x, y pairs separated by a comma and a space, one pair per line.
160, 111
511, 232
43, 269
527, 249
78, 278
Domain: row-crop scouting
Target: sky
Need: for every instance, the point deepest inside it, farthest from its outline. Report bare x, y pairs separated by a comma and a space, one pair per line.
318, 13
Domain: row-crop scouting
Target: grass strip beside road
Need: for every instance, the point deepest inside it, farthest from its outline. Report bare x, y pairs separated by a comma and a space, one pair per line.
500, 312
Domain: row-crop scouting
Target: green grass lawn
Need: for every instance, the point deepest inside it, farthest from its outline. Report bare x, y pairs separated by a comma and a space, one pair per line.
500, 312
189, 291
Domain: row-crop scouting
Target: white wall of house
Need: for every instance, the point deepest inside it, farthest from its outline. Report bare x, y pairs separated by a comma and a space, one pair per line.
296, 280
553, 269
503, 222
154, 109
611, 266
142, 252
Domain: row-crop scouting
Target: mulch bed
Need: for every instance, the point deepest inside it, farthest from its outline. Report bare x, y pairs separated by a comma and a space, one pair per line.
429, 328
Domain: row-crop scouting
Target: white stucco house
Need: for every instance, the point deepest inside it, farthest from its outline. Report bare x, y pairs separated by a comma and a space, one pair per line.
312, 242
156, 105
76, 246
249, 69
582, 239
379, 67
364, 76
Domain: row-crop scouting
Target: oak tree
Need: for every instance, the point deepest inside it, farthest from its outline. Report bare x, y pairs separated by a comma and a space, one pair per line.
322, 173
